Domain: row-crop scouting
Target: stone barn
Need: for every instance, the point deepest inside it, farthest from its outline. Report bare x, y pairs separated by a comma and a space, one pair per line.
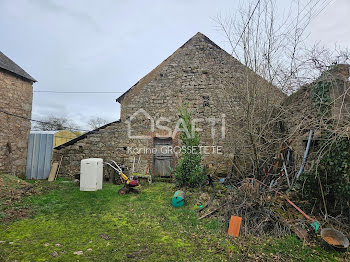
16, 88
303, 114
199, 75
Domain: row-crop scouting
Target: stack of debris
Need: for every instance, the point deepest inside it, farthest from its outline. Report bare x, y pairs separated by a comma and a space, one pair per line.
258, 208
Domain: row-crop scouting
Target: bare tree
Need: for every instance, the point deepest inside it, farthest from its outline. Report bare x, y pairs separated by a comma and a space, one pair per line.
260, 41
272, 47
54, 123
270, 125
96, 122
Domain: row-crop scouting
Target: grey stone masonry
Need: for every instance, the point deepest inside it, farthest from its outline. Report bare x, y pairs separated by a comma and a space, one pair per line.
15, 99
200, 75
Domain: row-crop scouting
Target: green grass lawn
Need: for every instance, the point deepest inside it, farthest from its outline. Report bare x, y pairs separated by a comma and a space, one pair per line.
136, 227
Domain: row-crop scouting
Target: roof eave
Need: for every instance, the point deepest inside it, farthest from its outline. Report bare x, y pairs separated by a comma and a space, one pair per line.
30, 78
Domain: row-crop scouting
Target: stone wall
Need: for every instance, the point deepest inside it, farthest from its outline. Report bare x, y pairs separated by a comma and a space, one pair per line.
16, 98
109, 143
200, 75
340, 93
301, 114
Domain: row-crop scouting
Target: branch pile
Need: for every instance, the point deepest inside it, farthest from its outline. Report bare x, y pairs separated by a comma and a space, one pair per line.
258, 209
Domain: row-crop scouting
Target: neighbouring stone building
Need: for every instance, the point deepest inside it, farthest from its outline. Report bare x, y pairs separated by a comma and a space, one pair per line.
15, 111
199, 74
302, 112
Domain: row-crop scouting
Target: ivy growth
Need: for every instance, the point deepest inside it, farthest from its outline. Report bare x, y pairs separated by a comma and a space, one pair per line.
333, 174
333, 169
321, 97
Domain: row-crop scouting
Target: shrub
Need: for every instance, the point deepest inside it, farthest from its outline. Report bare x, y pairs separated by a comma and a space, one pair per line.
189, 171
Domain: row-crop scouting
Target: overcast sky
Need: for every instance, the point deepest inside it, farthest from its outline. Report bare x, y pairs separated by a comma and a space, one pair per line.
108, 45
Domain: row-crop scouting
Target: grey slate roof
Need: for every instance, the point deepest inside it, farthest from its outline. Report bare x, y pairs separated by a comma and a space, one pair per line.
7, 64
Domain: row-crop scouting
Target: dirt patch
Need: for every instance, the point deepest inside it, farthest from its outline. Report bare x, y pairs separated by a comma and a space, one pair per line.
15, 213
13, 189
12, 192
139, 255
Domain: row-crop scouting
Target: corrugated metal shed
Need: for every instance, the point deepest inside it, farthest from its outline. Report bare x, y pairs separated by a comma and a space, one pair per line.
39, 155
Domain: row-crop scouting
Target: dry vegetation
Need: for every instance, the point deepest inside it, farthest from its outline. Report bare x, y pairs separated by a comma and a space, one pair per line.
270, 136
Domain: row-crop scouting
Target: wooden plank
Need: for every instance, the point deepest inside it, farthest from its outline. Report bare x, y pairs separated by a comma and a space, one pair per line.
53, 171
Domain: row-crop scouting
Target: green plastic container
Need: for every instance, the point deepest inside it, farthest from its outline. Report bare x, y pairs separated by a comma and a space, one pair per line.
178, 199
